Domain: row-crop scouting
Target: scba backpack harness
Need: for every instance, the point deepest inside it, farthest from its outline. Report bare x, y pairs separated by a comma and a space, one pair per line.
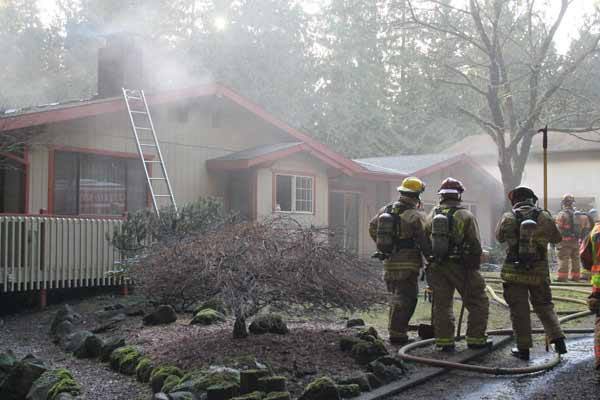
389, 231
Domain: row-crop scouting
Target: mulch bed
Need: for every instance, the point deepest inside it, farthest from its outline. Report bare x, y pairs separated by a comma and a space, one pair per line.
309, 350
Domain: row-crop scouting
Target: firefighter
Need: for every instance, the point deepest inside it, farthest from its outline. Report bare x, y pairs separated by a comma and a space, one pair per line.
527, 230
568, 249
590, 259
398, 231
456, 249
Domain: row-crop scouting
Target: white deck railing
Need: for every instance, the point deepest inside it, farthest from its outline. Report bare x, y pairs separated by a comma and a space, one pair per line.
46, 252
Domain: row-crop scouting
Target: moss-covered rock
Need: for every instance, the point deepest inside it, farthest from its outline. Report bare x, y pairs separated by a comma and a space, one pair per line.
360, 379
278, 396
200, 381
207, 316
374, 381
51, 383
250, 396
215, 304
249, 379
170, 382
270, 384
144, 369
351, 323
222, 391
7, 360
321, 389
66, 384
163, 315
386, 373
365, 352
268, 323
20, 378
368, 334
109, 346
125, 359
348, 342
160, 374
90, 348
349, 391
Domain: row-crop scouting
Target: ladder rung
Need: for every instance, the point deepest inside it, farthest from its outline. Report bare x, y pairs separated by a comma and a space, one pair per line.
138, 112
157, 179
152, 161
142, 128
162, 195
133, 98
148, 144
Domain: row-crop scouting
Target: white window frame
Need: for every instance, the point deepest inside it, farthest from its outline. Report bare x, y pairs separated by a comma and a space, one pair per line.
293, 193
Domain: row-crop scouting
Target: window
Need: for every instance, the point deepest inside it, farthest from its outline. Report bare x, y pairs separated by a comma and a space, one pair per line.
12, 187
97, 185
294, 193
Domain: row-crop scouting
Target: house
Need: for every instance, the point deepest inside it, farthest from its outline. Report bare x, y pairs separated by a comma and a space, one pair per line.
80, 172
572, 162
483, 195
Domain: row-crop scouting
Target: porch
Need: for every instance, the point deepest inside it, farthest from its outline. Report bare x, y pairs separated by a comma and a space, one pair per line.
50, 252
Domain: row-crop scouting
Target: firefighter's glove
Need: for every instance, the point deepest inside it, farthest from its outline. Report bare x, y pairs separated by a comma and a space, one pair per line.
594, 304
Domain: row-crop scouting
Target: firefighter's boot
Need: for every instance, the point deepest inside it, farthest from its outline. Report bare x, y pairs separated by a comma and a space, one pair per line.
486, 345
522, 354
559, 346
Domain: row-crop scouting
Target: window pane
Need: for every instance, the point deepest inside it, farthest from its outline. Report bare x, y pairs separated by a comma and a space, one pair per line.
12, 185
102, 189
304, 195
65, 183
283, 196
137, 188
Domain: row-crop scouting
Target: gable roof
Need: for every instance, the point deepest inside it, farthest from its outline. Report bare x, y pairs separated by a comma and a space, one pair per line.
406, 164
558, 142
423, 164
82, 109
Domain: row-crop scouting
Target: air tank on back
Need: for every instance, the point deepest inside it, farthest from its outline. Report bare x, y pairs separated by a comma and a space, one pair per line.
440, 236
527, 245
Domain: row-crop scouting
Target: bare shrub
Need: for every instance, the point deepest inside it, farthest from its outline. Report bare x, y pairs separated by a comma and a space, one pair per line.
249, 266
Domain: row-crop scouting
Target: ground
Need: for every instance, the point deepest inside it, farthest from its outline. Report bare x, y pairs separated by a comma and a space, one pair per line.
309, 350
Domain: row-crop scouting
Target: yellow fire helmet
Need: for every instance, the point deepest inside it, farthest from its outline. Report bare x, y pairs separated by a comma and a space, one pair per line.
412, 185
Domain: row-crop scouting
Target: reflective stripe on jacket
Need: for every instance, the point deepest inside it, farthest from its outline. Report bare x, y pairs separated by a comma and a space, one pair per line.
589, 253
546, 232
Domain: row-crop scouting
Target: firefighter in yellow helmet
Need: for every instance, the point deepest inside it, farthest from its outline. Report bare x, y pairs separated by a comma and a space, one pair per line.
590, 259
568, 250
398, 231
527, 230
456, 250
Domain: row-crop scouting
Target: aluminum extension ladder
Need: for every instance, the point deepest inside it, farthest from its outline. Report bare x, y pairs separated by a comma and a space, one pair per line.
145, 138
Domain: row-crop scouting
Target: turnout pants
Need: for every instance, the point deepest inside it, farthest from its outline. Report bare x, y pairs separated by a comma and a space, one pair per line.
597, 341
518, 296
404, 288
568, 259
444, 279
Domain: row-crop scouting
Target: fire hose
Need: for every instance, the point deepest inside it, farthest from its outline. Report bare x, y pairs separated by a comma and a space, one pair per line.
403, 353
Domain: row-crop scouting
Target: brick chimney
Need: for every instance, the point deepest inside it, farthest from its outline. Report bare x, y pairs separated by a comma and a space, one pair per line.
120, 64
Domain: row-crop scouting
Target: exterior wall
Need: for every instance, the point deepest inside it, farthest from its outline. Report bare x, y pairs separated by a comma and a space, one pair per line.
373, 195
38, 179
188, 138
295, 165
567, 173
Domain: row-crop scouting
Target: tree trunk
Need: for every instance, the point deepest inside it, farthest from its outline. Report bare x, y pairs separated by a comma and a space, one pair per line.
240, 330
511, 178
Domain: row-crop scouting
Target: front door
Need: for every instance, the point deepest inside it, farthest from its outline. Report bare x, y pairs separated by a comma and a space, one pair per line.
344, 219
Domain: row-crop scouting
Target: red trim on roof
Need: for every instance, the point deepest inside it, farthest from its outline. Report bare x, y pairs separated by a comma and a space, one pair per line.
116, 104
455, 160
